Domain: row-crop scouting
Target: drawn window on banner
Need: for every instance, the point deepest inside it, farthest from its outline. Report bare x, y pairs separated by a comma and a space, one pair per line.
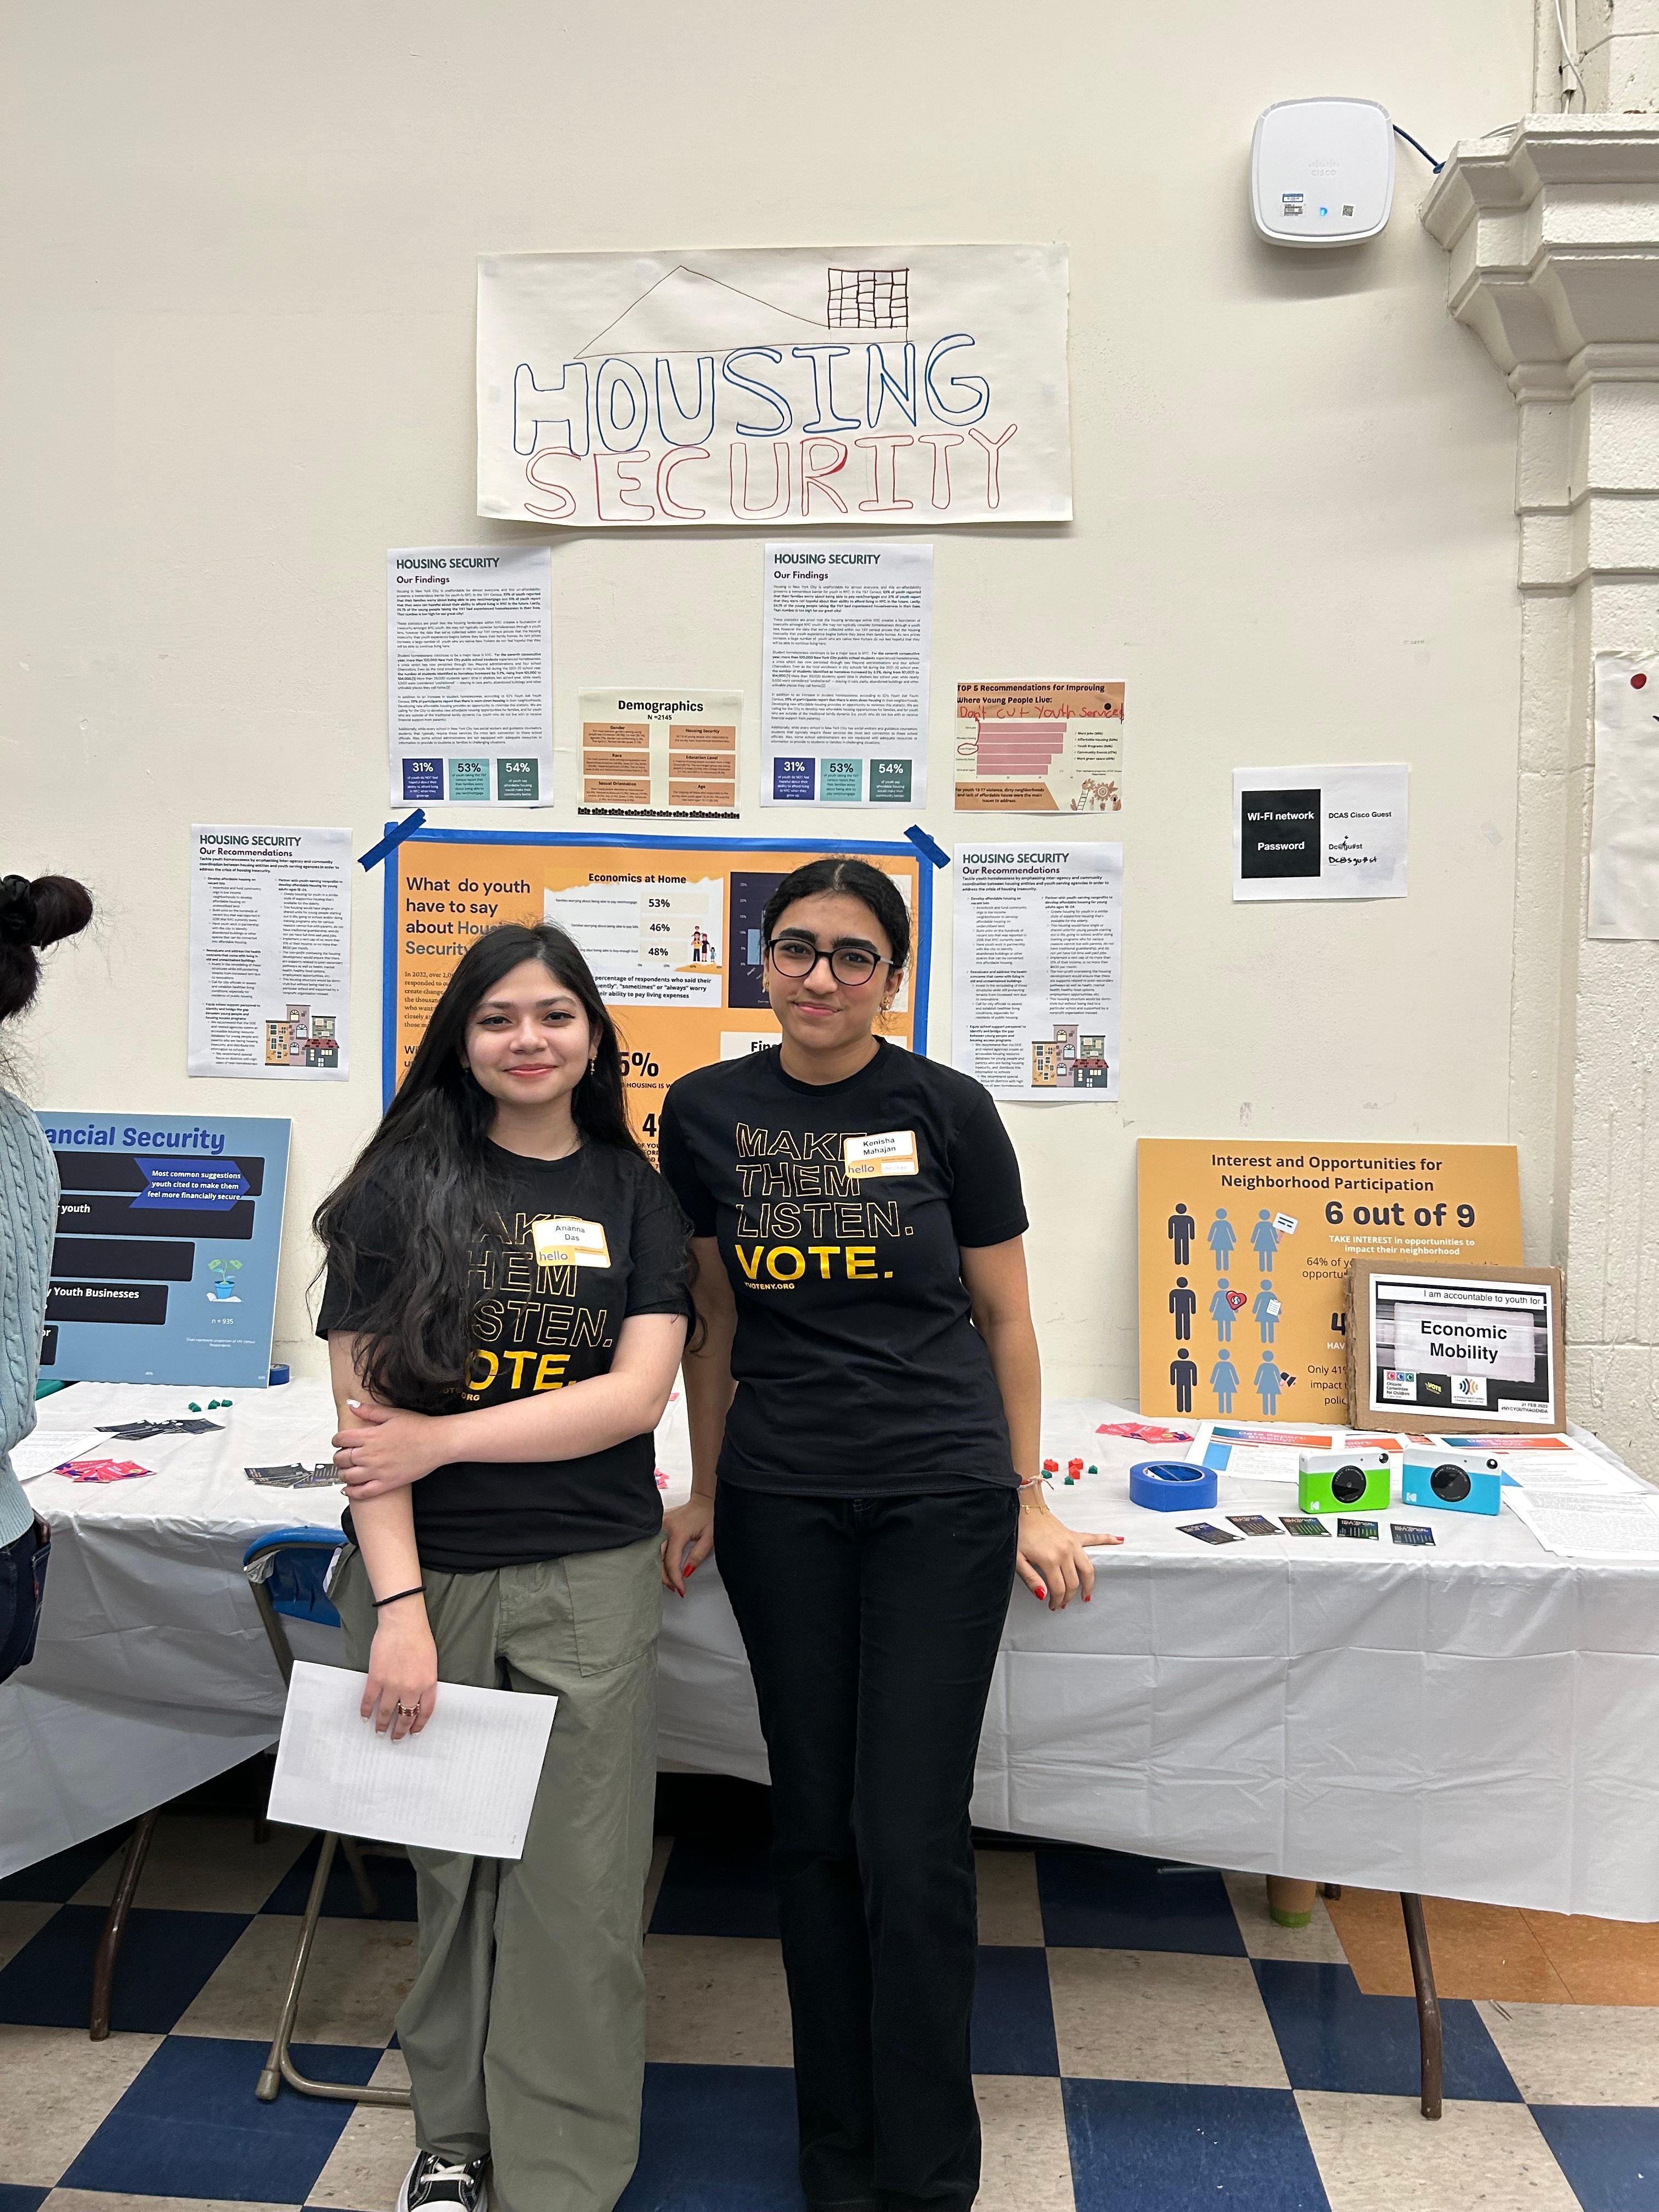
1039, 747
887, 385
673, 755
671, 926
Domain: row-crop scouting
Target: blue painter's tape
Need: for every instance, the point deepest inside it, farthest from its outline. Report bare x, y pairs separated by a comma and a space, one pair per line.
1171, 1485
925, 845
394, 837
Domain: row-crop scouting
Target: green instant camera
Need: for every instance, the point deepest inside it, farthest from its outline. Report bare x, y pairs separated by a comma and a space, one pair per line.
1343, 1482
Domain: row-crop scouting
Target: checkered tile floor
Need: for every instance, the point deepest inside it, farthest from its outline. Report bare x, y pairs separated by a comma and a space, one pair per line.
1142, 2040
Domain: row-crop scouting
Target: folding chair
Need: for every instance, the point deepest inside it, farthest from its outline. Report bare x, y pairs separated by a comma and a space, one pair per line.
287, 1570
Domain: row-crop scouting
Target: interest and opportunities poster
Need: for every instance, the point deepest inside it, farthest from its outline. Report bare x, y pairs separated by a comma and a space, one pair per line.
164, 1265
669, 925
824, 385
1039, 747
1245, 1253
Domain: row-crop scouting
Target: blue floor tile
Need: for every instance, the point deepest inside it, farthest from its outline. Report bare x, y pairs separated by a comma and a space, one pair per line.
166, 1958
393, 1880
54, 1880
1109, 1901
16, 2199
1013, 2015
190, 2126
715, 1889
1172, 2147
1331, 2036
1609, 2153
716, 2139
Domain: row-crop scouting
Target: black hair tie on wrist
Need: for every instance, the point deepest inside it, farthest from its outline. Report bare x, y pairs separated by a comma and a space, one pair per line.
19, 910
418, 1591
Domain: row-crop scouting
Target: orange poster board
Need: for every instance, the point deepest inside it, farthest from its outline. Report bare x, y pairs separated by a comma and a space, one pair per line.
1244, 1252
671, 927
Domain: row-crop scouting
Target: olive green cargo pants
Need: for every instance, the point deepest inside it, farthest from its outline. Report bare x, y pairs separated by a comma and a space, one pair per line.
525, 2031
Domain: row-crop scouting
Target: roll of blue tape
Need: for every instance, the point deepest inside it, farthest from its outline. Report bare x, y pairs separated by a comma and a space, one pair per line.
1171, 1485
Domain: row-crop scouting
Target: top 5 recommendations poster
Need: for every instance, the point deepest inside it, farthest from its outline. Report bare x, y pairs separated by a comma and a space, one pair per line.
901, 385
669, 925
1244, 1252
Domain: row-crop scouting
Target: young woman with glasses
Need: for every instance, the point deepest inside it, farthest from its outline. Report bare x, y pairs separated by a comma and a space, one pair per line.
865, 1410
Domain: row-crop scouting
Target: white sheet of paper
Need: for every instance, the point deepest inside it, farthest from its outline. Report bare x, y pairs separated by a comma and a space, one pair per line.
1035, 945
466, 1782
1321, 833
469, 659
845, 647
270, 952
49, 1448
1624, 855
1577, 1525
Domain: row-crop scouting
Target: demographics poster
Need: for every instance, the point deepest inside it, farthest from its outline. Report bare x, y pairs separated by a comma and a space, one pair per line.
669, 925
164, 1266
1245, 1253
892, 385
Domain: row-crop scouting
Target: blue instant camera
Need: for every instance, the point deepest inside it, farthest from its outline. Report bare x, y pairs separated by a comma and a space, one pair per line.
1452, 1482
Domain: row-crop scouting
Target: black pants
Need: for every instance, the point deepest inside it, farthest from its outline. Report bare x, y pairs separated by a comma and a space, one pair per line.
22, 1584
872, 1626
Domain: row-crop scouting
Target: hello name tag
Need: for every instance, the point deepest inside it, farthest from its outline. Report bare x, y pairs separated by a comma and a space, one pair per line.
891, 1153
563, 1240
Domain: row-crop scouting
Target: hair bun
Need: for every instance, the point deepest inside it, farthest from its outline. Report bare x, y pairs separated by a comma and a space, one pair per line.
61, 907
18, 911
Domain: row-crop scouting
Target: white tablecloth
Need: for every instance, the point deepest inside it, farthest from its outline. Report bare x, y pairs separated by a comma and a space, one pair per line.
1479, 1720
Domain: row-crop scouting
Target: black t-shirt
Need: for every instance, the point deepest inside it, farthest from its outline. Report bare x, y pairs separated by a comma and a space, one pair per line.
538, 1327
859, 1371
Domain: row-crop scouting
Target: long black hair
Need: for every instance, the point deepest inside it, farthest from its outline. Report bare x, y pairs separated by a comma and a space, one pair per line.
32, 916
857, 879
426, 1180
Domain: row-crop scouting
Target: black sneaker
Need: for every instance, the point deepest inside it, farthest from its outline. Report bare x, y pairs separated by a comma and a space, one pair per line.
440, 2184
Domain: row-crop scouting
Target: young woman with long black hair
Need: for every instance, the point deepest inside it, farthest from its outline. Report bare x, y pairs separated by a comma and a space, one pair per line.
505, 1311
868, 1395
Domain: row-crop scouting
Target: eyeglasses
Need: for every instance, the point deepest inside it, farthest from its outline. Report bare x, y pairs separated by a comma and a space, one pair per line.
799, 957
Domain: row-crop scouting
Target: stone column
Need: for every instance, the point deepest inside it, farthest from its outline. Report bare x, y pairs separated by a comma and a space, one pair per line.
1553, 230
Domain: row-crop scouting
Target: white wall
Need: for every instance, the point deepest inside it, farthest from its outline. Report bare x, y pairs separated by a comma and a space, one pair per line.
238, 255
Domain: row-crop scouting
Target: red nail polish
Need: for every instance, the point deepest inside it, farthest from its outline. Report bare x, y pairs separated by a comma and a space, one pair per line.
690, 1572
1041, 1591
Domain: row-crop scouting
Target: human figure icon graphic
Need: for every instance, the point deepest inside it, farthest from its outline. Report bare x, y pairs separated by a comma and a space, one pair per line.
1182, 1226
1221, 1236
1264, 1311
1265, 1238
1183, 1374
1221, 1313
1267, 1380
1183, 1304
1223, 1381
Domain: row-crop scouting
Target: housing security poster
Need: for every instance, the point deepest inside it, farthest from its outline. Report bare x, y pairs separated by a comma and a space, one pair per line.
1036, 936
164, 1266
270, 952
845, 648
1244, 1252
469, 661
892, 385
669, 925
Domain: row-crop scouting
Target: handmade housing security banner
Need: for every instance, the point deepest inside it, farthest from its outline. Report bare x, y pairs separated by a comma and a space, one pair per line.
469, 659
1039, 747
270, 952
164, 1266
1035, 1001
671, 927
872, 384
844, 686
1245, 1253
672, 755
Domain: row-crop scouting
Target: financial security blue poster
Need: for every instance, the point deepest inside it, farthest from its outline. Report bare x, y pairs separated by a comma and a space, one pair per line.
164, 1269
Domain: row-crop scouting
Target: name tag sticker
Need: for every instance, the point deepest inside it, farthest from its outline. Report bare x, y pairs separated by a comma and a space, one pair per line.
893, 1153
563, 1240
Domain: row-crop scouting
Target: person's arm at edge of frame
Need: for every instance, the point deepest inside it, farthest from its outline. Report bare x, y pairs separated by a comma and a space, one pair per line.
403, 1662
391, 1447
689, 1531
1052, 1561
